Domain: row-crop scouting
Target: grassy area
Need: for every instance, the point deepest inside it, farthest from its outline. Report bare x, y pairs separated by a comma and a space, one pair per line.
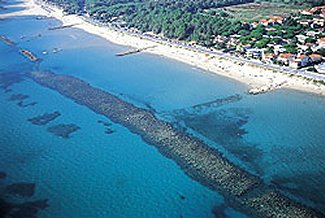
257, 11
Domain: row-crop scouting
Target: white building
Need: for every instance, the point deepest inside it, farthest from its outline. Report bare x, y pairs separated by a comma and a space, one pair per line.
320, 68
300, 61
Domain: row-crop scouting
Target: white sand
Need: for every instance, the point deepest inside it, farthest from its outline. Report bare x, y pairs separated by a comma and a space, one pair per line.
253, 76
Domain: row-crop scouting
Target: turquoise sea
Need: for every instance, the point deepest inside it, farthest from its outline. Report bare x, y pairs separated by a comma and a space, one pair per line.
279, 136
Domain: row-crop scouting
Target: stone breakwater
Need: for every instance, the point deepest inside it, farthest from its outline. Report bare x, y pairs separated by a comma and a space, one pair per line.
6, 40
28, 54
201, 162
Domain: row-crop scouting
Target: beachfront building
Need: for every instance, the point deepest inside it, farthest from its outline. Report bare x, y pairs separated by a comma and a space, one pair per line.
320, 68
268, 57
315, 58
285, 58
254, 53
300, 61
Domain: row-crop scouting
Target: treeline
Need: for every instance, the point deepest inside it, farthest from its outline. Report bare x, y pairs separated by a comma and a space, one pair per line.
186, 20
182, 25
189, 20
69, 6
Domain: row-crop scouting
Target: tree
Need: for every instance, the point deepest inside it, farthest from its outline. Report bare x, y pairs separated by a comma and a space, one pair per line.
262, 43
321, 52
310, 40
291, 48
257, 33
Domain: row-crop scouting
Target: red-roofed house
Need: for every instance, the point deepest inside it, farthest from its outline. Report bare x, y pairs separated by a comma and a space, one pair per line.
286, 58
264, 22
306, 12
254, 24
313, 10
277, 19
316, 58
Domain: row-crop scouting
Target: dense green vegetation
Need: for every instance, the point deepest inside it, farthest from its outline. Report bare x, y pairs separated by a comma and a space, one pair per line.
190, 20
185, 20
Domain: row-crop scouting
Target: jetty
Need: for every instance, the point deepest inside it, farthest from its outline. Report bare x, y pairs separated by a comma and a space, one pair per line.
259, 90
244, 191
6, 40
62, 26
28, 54
265, 88
134, 51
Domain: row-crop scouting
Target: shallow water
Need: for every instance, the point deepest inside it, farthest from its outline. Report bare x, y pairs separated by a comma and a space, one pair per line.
278, 136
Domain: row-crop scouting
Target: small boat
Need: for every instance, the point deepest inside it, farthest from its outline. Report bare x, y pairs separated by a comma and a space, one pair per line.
56, 50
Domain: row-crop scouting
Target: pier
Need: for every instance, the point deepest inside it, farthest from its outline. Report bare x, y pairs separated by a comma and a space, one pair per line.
134, 51
266, 88
6, 40
198, 160
63, 26
28, 54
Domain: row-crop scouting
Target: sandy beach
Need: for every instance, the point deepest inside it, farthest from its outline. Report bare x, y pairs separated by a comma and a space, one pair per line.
253, 76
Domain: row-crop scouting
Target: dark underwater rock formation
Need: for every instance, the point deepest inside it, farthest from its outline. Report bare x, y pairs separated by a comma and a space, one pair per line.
19, 206
3, 175
16, 97
219, 211
5, 208
207, 106
63, 130
106, 124
44, 119
28, 209
22, 104
109, 131
23, 189
199, 161
9, 79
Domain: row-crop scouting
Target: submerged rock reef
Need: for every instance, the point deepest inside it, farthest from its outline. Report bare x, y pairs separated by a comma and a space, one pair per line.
9, 79
3, 175
201, 162
44, 119
16, 97
22, 188
17, 200
63, 130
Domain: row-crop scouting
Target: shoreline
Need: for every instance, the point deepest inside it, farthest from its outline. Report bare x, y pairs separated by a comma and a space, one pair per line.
256, 77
